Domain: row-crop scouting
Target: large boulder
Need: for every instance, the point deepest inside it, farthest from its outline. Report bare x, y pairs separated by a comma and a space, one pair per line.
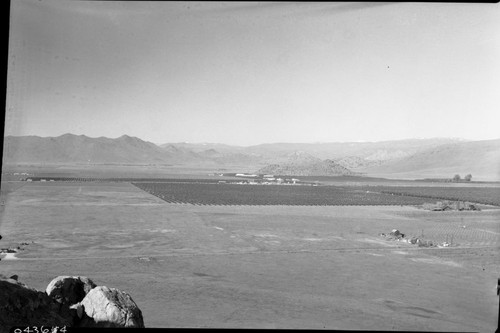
69, 290
109, 307
21, 305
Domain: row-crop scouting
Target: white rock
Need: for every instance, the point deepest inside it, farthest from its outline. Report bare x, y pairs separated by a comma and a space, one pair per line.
110, 307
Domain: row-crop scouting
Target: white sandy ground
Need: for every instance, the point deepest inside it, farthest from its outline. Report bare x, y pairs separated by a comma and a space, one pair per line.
9, 256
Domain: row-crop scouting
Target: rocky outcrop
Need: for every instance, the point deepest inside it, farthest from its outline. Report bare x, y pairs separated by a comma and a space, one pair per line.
307, 168
72, 301
21, 305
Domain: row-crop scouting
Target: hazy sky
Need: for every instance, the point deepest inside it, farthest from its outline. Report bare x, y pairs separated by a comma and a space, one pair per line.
249, 73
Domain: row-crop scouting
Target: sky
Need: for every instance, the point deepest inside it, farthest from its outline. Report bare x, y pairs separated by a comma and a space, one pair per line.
248, 73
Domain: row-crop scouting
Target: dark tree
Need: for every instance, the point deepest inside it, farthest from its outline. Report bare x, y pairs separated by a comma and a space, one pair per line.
468, 177
456, 178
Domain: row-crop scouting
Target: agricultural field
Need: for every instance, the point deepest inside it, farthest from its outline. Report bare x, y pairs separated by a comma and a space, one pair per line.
374, 181
111, 171
6, 188
155, 180
234, 194
483, 195
258, 266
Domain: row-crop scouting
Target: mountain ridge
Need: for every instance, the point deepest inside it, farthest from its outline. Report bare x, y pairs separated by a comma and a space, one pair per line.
436, 157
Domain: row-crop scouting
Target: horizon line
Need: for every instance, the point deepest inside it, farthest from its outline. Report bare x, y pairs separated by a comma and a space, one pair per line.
258, 144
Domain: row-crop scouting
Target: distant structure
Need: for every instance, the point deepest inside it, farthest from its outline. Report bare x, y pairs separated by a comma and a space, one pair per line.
246, 175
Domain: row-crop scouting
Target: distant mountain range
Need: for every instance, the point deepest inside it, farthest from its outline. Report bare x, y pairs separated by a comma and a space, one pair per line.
413, 158
69, 148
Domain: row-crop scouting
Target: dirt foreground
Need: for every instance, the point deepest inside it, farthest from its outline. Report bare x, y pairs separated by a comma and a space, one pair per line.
258, 266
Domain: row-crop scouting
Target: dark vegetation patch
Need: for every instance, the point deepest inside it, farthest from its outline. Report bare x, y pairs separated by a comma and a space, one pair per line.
483, 195
350, 178
233, 194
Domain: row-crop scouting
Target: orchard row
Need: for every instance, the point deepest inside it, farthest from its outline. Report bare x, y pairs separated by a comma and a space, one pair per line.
232, 194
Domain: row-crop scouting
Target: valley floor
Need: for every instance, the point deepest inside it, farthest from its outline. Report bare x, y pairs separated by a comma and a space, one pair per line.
301, 267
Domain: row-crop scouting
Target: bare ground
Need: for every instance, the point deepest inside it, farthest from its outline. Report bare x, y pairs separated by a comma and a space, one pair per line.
258, 266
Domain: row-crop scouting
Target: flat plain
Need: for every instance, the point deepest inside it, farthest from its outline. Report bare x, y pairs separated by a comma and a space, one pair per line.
309, 267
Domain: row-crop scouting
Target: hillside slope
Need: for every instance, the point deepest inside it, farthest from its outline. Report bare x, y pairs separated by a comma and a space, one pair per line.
479, 158
385, 150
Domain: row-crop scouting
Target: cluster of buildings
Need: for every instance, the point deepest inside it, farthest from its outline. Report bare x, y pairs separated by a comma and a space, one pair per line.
42, 180
252, 179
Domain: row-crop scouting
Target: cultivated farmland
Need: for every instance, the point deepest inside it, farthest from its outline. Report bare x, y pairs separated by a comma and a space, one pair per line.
483, 195
233, 194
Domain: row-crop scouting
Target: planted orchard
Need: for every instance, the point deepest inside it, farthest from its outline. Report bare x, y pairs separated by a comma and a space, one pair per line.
233, 194
483, 195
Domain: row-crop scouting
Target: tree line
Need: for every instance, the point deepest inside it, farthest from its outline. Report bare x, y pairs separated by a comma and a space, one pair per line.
457, 178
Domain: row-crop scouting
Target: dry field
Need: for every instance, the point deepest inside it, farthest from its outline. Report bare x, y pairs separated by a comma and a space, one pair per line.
258, 266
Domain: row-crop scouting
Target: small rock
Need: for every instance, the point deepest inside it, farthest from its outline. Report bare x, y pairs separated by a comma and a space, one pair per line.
395, 232
78, 308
